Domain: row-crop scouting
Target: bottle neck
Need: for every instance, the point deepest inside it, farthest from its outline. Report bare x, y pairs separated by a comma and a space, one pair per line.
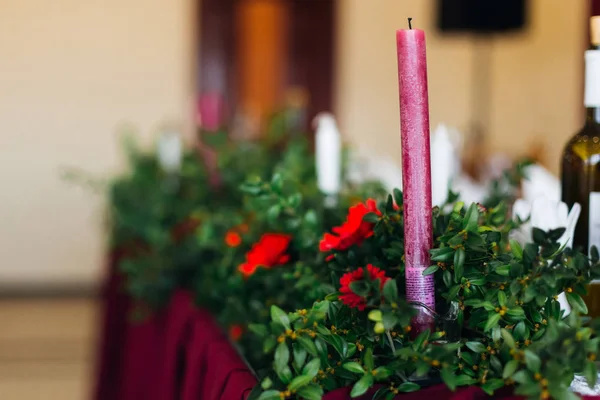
593, 114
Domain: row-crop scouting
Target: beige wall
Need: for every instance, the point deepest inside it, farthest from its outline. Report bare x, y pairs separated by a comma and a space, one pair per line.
536, 76
71, 72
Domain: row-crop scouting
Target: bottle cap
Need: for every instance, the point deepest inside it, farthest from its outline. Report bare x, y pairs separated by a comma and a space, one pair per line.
595, 30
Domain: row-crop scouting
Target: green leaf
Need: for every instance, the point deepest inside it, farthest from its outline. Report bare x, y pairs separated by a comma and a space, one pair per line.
362, 386
492, 321
459, 264
308, 345
280, 317
502, 298
351, 350
465, 380
371, 217
312, 368
522, 377
453, 292
519, 331
259, 330
311, 392
510, 368
577, 303
492, 385
447, 278
532, 361
354, 367
496, 334
516, 312
390, 291
282, 358
389, 321
503, 270
516, 249
591, 373
270, 395
539, 236
420, 339
431, 270
508, 339
266, 383
375, 315
382, 373
360, 288
408, 387
286, 375
470, 223
268, 344
477, 347
332, 296
274, 212
467, 357
298, 382
442, 255
449, 378
300, 354
368, 359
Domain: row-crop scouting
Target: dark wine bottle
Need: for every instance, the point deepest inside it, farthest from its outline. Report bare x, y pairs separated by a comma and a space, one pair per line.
581, 165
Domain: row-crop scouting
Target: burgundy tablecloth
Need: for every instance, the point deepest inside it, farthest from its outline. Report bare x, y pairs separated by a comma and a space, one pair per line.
182, 354
179, 353
113, 330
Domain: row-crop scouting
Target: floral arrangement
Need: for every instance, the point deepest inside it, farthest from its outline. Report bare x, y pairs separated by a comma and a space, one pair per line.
239, 246
498, 321
250, 251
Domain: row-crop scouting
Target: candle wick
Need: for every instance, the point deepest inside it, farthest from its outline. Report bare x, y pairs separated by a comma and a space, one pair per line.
409, 23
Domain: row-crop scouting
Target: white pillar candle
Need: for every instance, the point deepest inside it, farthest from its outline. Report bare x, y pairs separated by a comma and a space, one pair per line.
328, 154
170, 152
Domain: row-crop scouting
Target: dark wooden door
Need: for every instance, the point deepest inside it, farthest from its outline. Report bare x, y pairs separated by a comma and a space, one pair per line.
308, 59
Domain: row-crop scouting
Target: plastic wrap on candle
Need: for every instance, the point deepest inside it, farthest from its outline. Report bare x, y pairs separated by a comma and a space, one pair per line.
416, 164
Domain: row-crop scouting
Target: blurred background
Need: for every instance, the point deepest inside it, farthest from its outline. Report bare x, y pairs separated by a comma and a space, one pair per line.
74, 75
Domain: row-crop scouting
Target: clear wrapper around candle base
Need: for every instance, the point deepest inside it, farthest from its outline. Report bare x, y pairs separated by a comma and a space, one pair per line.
580, 386
447, 322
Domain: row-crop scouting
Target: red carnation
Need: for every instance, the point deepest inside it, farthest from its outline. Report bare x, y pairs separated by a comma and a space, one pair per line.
351, 299
353, 231
268, 252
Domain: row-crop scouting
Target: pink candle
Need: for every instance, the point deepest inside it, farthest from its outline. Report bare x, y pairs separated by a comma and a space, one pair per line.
416, 168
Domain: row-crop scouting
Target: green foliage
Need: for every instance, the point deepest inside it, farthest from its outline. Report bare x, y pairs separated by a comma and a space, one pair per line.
498, 323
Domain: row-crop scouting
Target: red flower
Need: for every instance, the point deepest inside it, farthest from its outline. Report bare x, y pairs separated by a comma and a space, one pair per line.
353, 231
351, 299
268, 252
236, 332
233, 239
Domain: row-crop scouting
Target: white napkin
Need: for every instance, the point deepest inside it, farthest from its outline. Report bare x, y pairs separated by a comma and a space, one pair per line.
540, 182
